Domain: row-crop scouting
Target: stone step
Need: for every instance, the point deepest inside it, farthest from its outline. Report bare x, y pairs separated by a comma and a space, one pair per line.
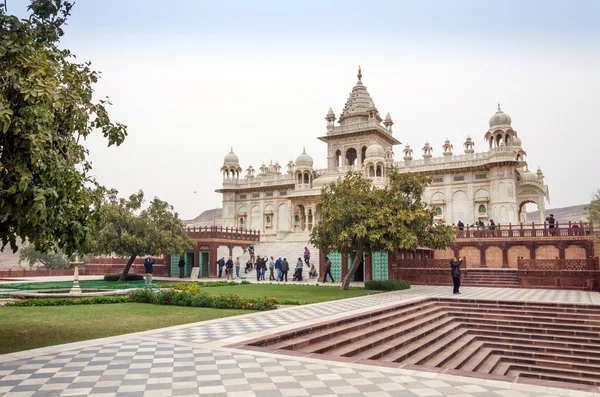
350, 345
589, 377
527, 311
311, 340
410, 343
541, 319
443, 356
558, 380
578, 330
540, 339
478, 359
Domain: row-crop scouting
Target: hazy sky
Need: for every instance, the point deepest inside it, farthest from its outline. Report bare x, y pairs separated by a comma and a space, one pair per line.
192, 78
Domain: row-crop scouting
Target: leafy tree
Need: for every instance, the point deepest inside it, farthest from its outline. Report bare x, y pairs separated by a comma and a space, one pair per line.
156, 230
594, 209
47, 195
359, 217
49, 260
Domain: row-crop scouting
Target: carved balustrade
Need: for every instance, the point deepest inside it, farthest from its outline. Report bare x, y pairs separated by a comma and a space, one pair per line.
527, 230
223, 233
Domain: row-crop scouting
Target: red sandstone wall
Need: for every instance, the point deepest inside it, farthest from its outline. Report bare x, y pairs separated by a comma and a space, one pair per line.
448, 253
546, 252
472, 254
575, 252
493, 257
514, 253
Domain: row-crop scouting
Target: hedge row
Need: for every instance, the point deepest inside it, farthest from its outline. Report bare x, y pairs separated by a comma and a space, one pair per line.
387, 285
130, 277
186, 298
96, 300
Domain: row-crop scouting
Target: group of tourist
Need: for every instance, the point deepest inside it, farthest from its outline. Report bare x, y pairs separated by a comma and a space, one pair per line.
278, 268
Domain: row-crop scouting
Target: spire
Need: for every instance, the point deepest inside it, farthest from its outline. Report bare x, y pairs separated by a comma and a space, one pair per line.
359, 75
499, 107
303, 150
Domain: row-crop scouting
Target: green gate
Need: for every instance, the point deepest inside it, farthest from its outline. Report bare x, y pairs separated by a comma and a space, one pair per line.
204, 262
187, 269
174, 265
379, 261
336, 265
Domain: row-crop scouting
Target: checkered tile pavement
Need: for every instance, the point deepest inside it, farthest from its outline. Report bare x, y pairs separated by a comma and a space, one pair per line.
172, 362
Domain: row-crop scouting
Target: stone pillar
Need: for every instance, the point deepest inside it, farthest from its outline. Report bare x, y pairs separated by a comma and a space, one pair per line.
561, 251
212, 260
369, 266
321, 264
505, 256
532, 251
344, 265
196, 256
482, 255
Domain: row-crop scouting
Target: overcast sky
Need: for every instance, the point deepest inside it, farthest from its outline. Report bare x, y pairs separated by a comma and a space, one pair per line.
192, 78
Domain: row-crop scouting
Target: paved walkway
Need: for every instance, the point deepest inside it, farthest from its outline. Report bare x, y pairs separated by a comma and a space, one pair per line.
193, 359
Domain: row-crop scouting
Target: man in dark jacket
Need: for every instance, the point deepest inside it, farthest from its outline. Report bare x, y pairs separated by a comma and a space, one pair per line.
181, 266
229, 266
221, 263
148, 269
455, 264
285, 267
328, 270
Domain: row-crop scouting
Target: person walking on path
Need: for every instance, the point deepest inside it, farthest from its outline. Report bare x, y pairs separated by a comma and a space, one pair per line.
278, 269
148, 269
285, 267
229, 266
237, 267
455, 264
263, 267
182, 266
221, 263
258, 267
298, 272
271, 268
307, 256
328, 270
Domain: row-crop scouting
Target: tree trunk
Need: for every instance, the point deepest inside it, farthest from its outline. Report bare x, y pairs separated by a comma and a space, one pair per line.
352, 270
127, 267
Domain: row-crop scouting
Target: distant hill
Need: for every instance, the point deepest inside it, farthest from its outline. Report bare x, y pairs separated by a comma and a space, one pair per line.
206, 218
576, 213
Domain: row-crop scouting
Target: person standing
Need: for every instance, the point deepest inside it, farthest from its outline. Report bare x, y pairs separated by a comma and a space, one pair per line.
271, 268
237, 267
455, 264
258, 267
221, 263
149, 269
551, 222
298, 272
307, 256
328, 270
182, 266
278, 269
251, 252
285, 267
229, 266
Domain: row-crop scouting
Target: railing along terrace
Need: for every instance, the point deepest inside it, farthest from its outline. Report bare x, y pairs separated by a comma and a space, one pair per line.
563, 265
424, 263
526, 230
224, 233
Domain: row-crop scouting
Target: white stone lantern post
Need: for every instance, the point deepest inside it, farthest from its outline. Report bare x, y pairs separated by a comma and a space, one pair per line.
76, 289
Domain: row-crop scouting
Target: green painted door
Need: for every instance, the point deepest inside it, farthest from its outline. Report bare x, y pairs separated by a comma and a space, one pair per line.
203, 262
189, 262
174, 265
336, 264
379, 261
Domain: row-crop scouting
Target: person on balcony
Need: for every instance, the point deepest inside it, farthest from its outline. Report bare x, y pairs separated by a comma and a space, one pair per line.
492, 228
455, 265
551, 222
461, 226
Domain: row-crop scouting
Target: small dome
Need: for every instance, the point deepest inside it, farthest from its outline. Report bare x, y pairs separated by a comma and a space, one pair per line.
528, 176
304, 160
231, 158
516, 141
375, 150
500, 118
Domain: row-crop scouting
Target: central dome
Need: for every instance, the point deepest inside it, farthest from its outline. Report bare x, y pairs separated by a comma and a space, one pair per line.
359, 103
375, 150
304, 160
500, 118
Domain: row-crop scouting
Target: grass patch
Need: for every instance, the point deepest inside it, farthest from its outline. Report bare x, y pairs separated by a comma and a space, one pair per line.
24, 328
301, 293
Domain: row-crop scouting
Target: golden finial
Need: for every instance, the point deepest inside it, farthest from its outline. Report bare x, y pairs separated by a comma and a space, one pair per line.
499, 107
359, 74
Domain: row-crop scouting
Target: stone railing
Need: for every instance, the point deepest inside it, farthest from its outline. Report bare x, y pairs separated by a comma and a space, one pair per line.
561, 265
528, 230
223, 233
425, 263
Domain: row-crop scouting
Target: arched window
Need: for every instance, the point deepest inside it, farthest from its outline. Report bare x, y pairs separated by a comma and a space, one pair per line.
378, 172
371, 171
482, 209
306, 178
299, 178
351, 156
438, 211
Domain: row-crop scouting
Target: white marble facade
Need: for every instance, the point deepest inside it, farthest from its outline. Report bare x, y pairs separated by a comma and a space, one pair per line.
469, 186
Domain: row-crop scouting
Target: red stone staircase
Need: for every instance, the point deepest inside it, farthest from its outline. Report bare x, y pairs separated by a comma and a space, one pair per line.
540, 343
482, 277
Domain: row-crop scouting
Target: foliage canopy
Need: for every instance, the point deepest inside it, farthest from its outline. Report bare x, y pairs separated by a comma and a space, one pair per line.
594, 210
124, 230
357, 216
47, 195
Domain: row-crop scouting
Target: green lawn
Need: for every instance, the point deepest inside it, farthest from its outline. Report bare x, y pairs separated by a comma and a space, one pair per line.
23, 328
302, 293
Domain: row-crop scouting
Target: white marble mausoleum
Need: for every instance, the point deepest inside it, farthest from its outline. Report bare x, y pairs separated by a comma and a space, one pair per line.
469, 186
